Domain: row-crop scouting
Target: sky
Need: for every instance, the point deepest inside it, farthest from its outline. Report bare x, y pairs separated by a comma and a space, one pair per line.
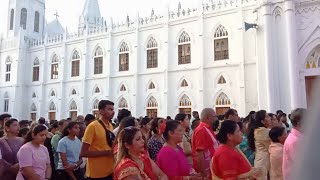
70, 10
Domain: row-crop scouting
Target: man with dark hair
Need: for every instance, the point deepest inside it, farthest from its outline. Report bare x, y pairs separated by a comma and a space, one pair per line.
232, 115
24, 124
3, 118
97, 144
121, 115
293, 141
88, 119
55, 140
279, 112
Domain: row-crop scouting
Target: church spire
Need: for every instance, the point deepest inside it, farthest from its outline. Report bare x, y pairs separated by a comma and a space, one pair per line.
90, 14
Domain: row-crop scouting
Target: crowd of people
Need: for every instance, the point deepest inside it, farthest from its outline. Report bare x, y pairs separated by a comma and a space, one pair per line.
188, 147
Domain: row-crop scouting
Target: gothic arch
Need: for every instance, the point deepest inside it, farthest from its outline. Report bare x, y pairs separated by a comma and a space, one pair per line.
122, 44
33, 108
152, 102
123, 103
75, 52
123, 83
94, 50
73, 106
215, 28
8, 60
73, 91
277, 11
180, 33
52, 93
184, 101
54, 58
36, 62
225, 76
313, 59
148, 40
222, 100
6, 95
34, 95
183, 80
52, 107
95, 104
96, 90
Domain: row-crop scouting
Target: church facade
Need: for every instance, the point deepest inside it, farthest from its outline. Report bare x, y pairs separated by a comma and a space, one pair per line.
181, 60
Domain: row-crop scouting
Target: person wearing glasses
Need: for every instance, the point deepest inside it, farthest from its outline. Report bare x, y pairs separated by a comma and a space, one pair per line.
97, 144
132, 162
204, 143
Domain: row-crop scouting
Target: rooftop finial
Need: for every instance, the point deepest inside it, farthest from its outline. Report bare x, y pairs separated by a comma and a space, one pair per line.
56, 14
179, 6
152, 12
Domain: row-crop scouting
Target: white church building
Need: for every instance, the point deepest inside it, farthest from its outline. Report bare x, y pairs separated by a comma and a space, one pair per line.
182, 60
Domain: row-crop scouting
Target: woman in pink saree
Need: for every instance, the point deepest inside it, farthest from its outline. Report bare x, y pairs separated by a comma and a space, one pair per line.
171, 158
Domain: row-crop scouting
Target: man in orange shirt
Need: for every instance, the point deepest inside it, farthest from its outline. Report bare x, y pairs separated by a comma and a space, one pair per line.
204, 142
97, 144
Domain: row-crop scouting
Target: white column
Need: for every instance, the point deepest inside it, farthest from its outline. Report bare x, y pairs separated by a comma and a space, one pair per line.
268, 57
198, 107
292, 54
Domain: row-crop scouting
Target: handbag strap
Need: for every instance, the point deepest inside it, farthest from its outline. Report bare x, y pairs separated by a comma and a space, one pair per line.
108, 133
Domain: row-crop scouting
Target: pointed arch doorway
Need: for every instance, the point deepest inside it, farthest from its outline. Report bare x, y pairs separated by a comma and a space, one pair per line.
312, 79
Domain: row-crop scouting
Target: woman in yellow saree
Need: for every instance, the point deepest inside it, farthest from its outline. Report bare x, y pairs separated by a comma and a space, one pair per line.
228, 162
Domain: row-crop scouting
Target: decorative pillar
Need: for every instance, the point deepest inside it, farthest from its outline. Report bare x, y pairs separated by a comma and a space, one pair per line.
268, 57
292, 53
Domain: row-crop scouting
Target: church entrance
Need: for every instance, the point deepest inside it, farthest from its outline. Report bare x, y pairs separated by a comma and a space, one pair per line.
312, 88
312, 76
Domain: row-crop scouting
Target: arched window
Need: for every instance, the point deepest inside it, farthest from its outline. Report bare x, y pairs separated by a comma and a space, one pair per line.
52, 93
8, 69
75, 64
184, 83
184, 49
52, 111
23, 18
54, 67
152, 53
123, 88
151, 86
313, 60
11, 19
221, 44
152, 107
123, 104
185, 104
221, 80
98, 61
124, 57
6, 102
36, 21
73, 110
34, 95
36, 70
97, 90
33, 113
73, 92
223, 100
95, 108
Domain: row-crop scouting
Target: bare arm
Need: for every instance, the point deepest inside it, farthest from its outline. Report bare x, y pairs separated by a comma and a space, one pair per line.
67, 167
48, 171
157, 171
201, 163
29, 173
85, 152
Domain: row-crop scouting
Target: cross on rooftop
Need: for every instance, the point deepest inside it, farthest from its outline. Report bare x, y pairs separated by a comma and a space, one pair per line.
56, 14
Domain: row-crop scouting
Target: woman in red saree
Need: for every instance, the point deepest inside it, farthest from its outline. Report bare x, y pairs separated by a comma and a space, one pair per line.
228, 162
132, 163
